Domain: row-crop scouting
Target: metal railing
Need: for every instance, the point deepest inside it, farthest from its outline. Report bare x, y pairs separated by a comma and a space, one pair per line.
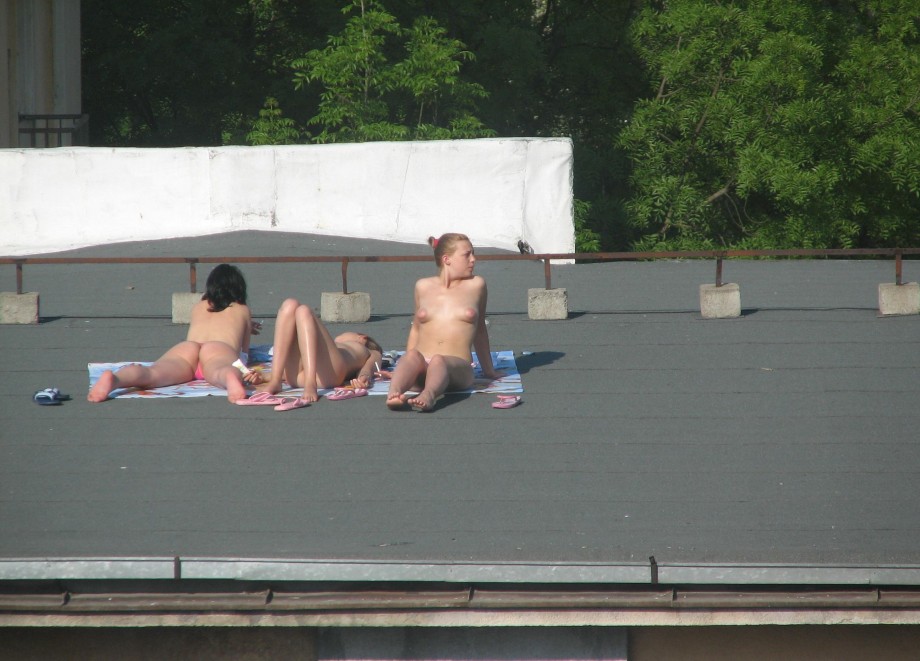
546, 258
63, 130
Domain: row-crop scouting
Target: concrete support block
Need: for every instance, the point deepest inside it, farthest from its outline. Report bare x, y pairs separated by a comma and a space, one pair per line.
349, 308
18, 308
720, 302
182, 304
547, 303
899, 299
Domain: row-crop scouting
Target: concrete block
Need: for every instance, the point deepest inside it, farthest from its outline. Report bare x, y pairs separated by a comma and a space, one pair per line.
720, 302
899, 299
182, 304
18, 308
547, 303
349, 308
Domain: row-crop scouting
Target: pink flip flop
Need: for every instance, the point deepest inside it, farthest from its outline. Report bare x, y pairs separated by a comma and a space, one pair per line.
346, 393
260, 399
506, 402
291, 403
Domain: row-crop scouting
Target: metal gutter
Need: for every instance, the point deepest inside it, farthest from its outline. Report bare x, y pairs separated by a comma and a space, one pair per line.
274, 592
468, 606
516, 573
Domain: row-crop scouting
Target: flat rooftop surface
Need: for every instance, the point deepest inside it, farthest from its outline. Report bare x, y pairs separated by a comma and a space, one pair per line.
780, 446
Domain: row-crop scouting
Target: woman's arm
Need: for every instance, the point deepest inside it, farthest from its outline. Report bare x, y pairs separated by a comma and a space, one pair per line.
247, 329
412, 340
481, 339
251, 377
366, 374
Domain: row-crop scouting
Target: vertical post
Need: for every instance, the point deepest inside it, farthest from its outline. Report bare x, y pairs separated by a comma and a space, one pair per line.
18, 277
546, 274
192, 275
897, 267
719, 270
344, 275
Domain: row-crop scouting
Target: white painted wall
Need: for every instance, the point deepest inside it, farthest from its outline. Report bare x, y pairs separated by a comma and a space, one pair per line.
495, 190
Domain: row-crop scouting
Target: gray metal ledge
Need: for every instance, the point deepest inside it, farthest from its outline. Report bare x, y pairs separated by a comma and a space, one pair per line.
507, 573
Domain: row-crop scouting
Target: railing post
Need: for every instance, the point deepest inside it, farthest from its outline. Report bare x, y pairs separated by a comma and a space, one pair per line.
546, 274
719, 270
192, 275
344, 275
897, 267
19, 277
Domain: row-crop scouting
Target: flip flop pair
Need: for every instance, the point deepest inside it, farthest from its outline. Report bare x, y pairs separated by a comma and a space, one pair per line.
260, 399
291, 403
49, 397
280, 403
506, 402
346, 393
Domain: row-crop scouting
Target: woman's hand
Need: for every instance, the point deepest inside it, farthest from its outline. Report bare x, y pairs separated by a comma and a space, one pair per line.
494, 375
362, 381
253, 378
255, 326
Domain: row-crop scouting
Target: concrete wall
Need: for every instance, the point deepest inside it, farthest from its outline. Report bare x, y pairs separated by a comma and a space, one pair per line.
498, 191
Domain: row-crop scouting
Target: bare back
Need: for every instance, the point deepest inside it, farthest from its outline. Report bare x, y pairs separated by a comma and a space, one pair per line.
446, 317
231, 326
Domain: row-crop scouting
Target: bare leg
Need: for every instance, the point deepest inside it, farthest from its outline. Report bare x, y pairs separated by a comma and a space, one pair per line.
409, 374
175, 366
322, 362
443, 372
285, 353
217, 365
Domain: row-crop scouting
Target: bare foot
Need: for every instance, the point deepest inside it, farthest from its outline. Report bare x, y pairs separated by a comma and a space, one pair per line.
235, 391
396, 401
100, 391
424, 401
310, 395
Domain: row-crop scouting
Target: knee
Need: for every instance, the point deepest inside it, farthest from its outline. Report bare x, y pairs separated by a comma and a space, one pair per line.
437, 361
304, 313
288, 306
413, 356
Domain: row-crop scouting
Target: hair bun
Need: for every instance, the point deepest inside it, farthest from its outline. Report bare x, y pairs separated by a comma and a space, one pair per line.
433, 242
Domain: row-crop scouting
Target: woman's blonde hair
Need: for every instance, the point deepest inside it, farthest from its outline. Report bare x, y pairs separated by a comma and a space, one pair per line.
446, 244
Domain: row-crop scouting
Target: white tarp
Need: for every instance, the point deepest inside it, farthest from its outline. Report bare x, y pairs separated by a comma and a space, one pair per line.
497, 191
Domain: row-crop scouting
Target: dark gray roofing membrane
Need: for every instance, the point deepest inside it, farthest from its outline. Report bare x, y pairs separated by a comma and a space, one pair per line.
652, 446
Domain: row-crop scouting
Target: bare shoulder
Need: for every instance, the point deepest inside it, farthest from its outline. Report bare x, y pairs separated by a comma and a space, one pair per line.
200, 308
424, 284
240, 309
477, 282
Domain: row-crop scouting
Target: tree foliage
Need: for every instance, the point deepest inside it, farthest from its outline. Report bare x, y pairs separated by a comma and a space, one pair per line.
272, 128
695, 123
381, 81
190, 72
783, 125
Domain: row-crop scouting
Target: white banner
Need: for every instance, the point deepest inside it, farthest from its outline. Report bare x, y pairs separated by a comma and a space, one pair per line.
498, 191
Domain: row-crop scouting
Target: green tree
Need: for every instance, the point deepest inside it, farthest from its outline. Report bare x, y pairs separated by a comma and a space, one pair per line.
383, 82
557, 69
191, 72
760, 134
880, 74
272, 128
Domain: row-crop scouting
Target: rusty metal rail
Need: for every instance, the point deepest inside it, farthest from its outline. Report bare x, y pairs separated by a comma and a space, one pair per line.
547, 258
359, 602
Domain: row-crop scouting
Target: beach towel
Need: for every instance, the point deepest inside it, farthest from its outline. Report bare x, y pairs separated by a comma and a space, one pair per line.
260, 359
